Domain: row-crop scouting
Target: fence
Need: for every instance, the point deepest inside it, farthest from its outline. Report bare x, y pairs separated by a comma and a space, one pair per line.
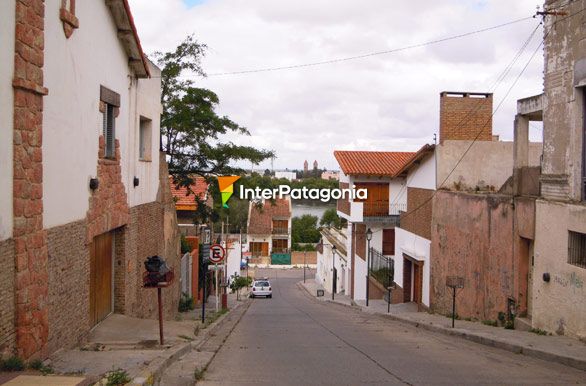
382, 268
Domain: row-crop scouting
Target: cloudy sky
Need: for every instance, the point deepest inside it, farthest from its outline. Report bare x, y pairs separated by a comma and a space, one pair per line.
384, 102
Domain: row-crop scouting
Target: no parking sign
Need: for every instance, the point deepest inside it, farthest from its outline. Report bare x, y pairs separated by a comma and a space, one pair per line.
217, 254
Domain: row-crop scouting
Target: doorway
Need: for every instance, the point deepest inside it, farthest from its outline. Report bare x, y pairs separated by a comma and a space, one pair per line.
412, 280
101, 278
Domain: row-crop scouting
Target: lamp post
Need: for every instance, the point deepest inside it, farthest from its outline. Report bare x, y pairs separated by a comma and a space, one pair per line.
368, 238
304, 264
333, 268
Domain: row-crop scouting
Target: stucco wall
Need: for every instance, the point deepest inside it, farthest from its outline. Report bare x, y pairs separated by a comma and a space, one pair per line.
472, 237
487, 163
423, 175
7, 28
558, 306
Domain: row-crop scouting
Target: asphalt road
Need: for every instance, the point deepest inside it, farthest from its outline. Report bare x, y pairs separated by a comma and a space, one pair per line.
293, 339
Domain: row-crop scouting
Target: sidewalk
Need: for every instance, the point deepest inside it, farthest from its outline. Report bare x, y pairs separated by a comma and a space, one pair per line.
132, 344
560, 349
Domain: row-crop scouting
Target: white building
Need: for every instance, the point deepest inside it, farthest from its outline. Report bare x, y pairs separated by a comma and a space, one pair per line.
330, 258
269, 231
83, 204
290, 176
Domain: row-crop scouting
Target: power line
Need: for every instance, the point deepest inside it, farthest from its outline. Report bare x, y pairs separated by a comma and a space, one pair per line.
375, 53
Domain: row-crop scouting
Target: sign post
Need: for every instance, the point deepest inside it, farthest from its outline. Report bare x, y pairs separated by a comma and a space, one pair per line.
217, 255
454, 282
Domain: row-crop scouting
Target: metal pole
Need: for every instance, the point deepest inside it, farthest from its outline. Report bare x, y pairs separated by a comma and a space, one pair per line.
160, 316
389, 285
304, 264
203, 303
333, 271
367, 271
453, 306
217, 292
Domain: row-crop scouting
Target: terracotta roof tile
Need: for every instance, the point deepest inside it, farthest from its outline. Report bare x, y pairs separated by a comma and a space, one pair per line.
185, 200
372, 163
260, 219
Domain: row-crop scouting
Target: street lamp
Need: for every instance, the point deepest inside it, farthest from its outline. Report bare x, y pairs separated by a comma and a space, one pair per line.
304, 264
333, 268
368, 238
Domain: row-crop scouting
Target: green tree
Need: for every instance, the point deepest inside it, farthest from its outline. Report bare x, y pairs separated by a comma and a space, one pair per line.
304, 229
330, 218
194, 135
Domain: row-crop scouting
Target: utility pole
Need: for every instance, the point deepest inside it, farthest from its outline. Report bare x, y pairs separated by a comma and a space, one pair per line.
304, 264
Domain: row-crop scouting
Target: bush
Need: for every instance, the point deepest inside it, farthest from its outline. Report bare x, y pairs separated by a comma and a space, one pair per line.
186, 303
510, 325
185, 247
117, 378
538, 331
240, 282
13, 363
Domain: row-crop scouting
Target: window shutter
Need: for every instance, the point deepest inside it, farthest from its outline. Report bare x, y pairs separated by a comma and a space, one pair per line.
109, 134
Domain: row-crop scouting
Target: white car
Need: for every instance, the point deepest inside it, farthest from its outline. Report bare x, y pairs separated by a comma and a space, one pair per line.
261, 287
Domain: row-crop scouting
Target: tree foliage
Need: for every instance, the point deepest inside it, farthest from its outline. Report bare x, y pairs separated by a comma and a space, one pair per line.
330, 218
304, 229
195, 137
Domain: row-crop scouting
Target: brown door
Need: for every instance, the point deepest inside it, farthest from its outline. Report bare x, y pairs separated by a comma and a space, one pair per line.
377, 201
417, 282
265, 249
407, 280
100, 278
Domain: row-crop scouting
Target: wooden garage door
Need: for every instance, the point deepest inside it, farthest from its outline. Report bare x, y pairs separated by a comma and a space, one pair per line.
100, 278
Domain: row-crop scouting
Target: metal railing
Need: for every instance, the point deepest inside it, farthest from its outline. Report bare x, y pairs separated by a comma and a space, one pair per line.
280, 231
382, 209
382, 268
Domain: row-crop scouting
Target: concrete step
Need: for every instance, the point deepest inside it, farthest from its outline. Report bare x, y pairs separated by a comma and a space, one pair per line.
523, 324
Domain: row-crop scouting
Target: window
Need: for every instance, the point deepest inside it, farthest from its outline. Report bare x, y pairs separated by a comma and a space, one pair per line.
389, 242
577, 249
109, 132
144, 139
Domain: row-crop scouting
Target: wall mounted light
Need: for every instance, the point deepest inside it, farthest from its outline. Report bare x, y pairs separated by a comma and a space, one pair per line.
135, 182
546, 277
94, 183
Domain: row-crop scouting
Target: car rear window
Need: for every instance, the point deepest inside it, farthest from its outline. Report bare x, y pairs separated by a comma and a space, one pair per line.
261, 284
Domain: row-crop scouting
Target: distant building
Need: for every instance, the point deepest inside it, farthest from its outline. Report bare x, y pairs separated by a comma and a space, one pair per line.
288, 175
269, 231
330, 175
315, 165
185, 203
305, 167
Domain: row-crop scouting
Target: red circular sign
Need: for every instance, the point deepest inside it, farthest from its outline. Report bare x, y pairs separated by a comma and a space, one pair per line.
217, 253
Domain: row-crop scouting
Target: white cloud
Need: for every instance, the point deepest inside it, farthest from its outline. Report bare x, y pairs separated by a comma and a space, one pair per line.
386, 102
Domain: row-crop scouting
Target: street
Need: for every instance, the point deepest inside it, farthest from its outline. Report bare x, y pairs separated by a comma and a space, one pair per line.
294, 339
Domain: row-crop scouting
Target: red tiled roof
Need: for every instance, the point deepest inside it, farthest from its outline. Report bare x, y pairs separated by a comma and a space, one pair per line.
421, 153
260, 219
184, 199
372, 163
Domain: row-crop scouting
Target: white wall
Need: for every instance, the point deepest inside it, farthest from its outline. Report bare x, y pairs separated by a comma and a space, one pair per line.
418, 248
233, 260
359, 278
72, 123
423, 175
147, 95
288, 175
7, 21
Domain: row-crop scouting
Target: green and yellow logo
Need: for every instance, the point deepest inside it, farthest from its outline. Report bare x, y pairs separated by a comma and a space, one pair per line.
226, 185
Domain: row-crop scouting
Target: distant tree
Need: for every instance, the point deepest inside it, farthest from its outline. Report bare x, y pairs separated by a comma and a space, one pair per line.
330, 218
267, 173
304, 229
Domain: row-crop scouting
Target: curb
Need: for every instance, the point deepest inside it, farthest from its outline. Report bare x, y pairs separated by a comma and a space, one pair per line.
574, 362
153, 372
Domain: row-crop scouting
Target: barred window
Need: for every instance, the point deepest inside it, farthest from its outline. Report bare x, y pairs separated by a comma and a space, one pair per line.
577, 249
109, 132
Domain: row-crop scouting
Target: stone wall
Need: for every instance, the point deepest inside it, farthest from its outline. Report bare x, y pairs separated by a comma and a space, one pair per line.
7, 328
69, 272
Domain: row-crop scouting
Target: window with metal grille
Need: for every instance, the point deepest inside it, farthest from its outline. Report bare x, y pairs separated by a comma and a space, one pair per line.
577, 249
109, 132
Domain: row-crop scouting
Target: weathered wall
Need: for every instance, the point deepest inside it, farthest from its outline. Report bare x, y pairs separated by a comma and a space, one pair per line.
558, 306
7, 327
463, 117
486, 164
476, 236
564, 69
69, 285
297, 258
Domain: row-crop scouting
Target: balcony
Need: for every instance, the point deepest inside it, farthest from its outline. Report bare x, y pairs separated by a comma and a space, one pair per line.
280, 231
371, 212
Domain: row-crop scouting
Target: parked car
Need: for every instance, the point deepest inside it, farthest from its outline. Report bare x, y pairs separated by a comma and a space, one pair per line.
242, 264
261, 288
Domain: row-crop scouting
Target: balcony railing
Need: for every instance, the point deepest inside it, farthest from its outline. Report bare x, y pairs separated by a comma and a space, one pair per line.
280, 231
383, 209
382, 268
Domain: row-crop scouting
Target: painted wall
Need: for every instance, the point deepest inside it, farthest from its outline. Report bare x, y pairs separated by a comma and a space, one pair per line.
147, 94
423, 175
558, 306
233, 260
487, 163
7, 28
418, 248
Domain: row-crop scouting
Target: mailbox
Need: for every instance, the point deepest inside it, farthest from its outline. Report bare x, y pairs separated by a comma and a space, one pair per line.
158, 273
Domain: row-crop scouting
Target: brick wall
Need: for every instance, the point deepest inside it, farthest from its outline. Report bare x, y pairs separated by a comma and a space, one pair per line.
297, 258
417, 219
7, 328
30, 240
69, 270
360, 241
465, 116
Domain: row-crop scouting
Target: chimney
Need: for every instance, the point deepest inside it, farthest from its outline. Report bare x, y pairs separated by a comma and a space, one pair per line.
465, 116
